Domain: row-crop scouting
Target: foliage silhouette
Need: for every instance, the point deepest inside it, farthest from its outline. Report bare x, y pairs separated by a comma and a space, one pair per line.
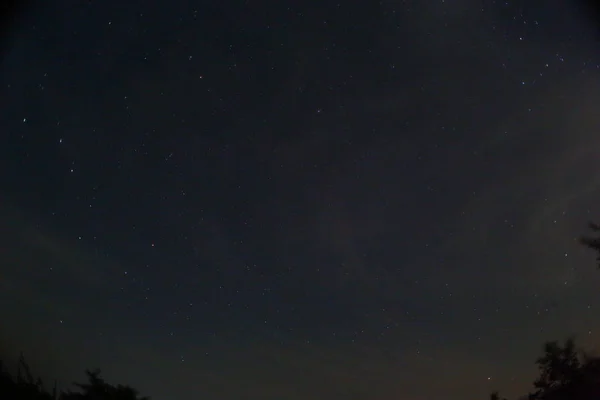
496, 396
98, 389
25, 387
565, 372
593, 242
559, 366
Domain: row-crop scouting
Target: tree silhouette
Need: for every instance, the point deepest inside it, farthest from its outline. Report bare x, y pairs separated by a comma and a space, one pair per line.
592, 242
98, 389
496, 396
25, 387
559, 366
565, 372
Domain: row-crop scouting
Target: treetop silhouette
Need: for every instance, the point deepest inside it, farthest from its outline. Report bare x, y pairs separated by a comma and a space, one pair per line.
25, 387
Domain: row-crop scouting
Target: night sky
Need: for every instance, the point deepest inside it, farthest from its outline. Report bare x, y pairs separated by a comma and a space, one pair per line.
298, 200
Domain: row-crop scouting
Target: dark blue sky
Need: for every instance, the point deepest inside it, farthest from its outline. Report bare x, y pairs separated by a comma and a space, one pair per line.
322, 201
